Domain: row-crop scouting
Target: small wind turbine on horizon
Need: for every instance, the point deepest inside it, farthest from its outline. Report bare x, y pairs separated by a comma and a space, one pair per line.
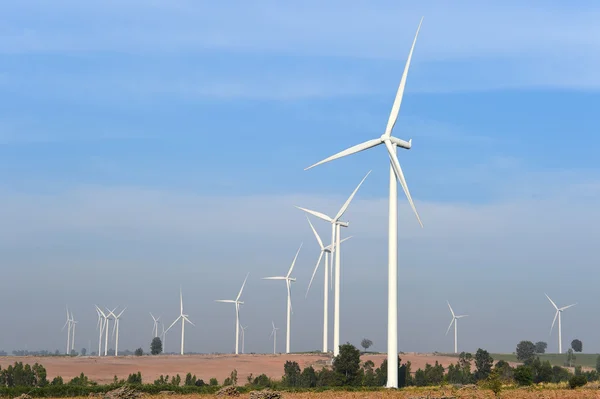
108, 316
68, 325
274, 335
237, 303
455, 321
288, 282
155, 327
335, 238
116, 327
184, 318
327, 250
100, 325
391, 143
73, 325
558, 314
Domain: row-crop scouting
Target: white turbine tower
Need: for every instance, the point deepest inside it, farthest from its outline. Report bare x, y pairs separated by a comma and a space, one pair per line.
73, 324
184, 318
558, 314
243, 330
108, 316
237, 303
155, 328
163, 337
335, 239
455, 321
391, 143
116, 328
288, 283
100, 326
327, 251
274, 335
68, 325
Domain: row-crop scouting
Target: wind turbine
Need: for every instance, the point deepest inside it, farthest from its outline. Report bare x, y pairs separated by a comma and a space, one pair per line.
237, 303
327, 251
100, 325
335, 238
243, 329
274, 335
557, 314
109, 316
288, 282
184, 318
390, 143
455, 321
73, 324
155, 328
116, 327
68, 325
164, 337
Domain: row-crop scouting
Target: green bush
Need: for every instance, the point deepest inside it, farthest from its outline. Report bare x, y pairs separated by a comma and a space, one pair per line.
523, 375
577, 381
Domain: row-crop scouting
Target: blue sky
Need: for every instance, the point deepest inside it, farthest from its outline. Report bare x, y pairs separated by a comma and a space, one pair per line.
144, 145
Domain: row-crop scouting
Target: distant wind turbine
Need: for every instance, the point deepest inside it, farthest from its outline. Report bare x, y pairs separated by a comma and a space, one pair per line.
558, 314
116, 327
68, 325
391, 143
237, 304
73, 324
100, 326
155, 327
109, 316
335, 238
288, 282
243, 330
274, 335
455, 321
183, 317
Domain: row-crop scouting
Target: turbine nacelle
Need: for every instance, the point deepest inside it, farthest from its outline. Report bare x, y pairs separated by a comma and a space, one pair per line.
396, 141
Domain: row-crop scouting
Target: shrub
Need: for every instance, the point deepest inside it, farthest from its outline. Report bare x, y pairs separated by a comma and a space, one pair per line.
213, 382
577, 381
139, 352
523, 375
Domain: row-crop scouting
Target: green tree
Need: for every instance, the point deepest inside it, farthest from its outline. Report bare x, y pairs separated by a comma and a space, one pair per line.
176, 380
190, 380
139, 352
58, 380
577, 381
213, 382
262, 381
540, 347
433, 374
494, 383
347, 365
326, 378
420, 378
523, 375
291, 374
366, 343
83, 351
525, 351
560, 374
577, 345
156, 346
135, 378
483, 364
369, 374
570, 357
308, 378
504, 371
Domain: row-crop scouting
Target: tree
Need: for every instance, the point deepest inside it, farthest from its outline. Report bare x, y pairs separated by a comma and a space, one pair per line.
291, 374
308, 378
525, 351
523, 375
139, 352
577, 345
347, 364
190, 379
540, 347
570, 357
156, 346
83, 351
366, 343
504, 371
483, 364
135, 378
577, 381
369, 374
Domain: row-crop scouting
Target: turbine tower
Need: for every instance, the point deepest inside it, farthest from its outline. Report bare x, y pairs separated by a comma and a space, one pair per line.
73, 324
116, 327
327, 251
109, 316
335, 239
68, 325
155, 328
455, 321
557, 314
184, 318
100, 325
243, 330
274, 335
390, 143
288, 282
237, 303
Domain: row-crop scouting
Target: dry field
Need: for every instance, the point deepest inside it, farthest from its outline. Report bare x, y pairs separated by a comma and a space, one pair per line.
102, 370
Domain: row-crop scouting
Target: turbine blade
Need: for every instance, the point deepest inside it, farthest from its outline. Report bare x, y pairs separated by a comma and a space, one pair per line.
398, 100
551, 301
294, 261
352, 150
451, 311
225, 300
188, 320
554, 321
172, 324
450, 326
274, 278
316, 234
347, 204
567, 307
317, 214
400, 176
314, 272
119, 315
181, 299
242, 289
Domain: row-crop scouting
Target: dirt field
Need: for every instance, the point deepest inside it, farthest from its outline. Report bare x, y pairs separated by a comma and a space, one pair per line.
102, 370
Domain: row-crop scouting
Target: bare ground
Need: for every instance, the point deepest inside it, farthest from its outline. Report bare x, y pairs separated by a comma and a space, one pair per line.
103, 369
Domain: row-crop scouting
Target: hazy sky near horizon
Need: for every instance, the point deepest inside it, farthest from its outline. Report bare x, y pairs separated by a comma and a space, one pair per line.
146, 145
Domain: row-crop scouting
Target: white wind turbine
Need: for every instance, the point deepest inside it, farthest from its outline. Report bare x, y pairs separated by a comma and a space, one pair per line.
184, 318
274, 335
288, 283
155, 328
68, 325
243, 330
455, 321
108, 316
73, 324
164, 337
116, 327
327, 251
237, 303
335, 242
390, 143
101, 325
558, 313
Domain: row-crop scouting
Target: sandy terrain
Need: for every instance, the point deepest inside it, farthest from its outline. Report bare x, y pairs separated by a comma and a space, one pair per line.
104, 369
